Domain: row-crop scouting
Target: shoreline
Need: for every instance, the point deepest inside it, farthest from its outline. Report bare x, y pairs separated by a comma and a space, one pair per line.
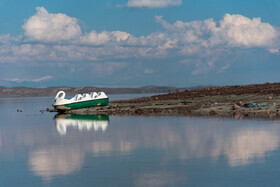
250, 101
266, 108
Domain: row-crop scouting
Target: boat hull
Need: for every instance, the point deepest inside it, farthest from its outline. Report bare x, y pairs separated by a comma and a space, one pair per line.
83, 104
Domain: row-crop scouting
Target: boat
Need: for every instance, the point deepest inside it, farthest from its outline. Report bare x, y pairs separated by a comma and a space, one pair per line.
80, 100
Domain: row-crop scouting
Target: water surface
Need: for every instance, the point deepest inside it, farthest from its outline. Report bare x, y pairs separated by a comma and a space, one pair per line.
41, 149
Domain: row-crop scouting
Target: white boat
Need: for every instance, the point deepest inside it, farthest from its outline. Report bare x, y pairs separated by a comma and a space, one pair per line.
80, 100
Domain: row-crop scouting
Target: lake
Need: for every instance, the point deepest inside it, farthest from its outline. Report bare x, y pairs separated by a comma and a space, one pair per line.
44, 149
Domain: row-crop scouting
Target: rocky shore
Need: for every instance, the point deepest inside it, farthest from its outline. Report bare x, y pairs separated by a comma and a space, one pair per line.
260, 100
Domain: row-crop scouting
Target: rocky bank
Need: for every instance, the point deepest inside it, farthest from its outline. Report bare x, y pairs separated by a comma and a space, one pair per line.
259, 100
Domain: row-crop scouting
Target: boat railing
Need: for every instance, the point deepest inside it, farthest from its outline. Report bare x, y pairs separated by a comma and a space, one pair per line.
86, 96
101, 94
78, 97
93, 95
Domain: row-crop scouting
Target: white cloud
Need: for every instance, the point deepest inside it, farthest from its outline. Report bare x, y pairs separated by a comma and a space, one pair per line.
7, 39
207, 41
242, 31
30, 80
188, 38
202, 44
104, 37
47, 27
273, 50
233, 30
28, 49
153, 3
96, 38
42, 79
120, 36
4, 39
224, 68
15, 80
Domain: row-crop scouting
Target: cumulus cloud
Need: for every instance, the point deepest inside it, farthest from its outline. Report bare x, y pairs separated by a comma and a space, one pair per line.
153, 3
120, 36
205, 41
47, 27
202, 44
242, 31
28, 49
104, 37
232, 30
4, 39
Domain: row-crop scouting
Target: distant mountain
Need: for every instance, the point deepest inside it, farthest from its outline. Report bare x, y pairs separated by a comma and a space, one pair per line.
70, 91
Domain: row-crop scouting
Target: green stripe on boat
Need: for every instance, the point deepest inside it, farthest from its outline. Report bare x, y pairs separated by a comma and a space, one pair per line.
86, 104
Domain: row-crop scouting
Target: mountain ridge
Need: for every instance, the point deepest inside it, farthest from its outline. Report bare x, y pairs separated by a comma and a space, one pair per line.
8, 92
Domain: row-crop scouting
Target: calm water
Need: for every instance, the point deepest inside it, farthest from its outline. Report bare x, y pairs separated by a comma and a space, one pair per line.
41, 149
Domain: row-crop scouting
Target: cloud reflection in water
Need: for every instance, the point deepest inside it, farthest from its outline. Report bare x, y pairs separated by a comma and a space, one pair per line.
177, 139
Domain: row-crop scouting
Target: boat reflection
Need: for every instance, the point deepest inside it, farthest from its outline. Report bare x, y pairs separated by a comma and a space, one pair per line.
81, 122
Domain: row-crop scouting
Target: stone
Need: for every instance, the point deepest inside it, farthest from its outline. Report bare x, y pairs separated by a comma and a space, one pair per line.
236, 107
240, 103
212, 112
139, 111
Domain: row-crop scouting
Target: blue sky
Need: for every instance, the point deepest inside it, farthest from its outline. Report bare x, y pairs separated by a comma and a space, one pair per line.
131, 43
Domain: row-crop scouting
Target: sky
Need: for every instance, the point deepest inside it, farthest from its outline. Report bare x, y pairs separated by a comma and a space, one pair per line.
133, 43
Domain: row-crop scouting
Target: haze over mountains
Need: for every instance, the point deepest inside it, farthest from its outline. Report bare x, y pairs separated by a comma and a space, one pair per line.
6, 92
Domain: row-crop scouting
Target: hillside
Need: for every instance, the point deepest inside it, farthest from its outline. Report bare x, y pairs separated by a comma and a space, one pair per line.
6, 92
